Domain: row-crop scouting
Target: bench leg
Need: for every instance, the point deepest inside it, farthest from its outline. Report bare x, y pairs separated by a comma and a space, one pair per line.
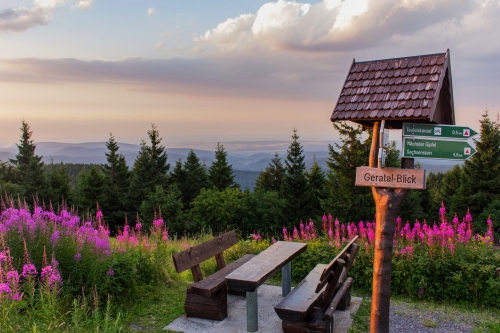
286, 279
252, 312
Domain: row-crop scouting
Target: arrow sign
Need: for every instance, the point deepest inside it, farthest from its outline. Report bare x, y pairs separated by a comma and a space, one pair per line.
443, 131
437, 149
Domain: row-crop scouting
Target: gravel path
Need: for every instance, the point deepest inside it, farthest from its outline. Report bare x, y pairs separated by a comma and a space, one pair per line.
408, 317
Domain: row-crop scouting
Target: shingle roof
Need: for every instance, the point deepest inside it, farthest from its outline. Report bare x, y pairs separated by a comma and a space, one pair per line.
416, 89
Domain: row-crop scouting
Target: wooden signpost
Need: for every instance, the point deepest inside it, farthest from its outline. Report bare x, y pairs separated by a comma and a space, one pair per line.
399, 93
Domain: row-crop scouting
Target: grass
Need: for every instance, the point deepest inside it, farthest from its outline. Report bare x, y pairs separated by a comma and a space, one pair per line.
156, 308
361, 319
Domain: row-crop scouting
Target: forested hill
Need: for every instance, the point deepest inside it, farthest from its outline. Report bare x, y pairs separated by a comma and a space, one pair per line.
247, 156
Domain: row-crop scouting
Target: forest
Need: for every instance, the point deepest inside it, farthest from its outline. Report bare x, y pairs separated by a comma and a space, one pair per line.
191, 196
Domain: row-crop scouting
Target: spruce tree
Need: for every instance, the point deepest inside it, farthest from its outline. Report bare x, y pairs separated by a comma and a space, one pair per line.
179, 176
480, 181
345, 200
272, 177
149, 170
220, 173
295, 188
196, 177
59, 183
317, 181
32, 175
117, 178
91, 189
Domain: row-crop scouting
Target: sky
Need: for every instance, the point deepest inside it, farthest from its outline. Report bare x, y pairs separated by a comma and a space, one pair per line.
246, 70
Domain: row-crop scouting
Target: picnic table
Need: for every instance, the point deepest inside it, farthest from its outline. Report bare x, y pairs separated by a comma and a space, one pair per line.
252, 274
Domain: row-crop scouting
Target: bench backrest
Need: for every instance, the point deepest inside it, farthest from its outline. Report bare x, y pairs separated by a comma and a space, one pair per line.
336, 272
192, 257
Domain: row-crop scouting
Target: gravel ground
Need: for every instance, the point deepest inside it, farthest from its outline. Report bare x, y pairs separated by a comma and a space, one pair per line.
406, 317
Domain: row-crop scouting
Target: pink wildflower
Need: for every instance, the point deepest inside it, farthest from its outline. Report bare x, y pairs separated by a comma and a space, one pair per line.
29, 270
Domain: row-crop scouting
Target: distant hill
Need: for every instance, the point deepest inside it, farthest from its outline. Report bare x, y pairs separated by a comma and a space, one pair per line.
249, 156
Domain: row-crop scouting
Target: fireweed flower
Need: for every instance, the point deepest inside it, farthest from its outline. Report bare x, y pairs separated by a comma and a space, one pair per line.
5, 289
4, 256
13, 277
138, 226
29, 270
54, 238
78, 256
111, 272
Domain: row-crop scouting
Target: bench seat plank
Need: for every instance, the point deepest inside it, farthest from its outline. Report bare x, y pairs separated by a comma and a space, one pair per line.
213, 283
299, 302
254, 273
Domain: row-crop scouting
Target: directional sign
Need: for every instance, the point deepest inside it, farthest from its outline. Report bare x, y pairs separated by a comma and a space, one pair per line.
443, 131
433, 148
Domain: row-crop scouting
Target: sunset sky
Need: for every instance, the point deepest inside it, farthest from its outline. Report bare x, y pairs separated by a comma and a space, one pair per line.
222, 70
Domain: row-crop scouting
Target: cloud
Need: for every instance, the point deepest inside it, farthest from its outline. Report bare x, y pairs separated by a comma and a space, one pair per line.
151, 11
41, 13
232, 77
159, 45
335, 25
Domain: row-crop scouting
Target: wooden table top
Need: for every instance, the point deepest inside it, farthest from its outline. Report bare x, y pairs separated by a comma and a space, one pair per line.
255, 272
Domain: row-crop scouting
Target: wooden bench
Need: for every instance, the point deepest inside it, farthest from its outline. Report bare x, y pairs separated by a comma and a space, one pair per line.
207, 297
310, 306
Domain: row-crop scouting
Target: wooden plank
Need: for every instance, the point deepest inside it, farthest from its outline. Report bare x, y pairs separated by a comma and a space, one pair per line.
221, 263
345, 250
255, 272
331, 286
196, 271
391, 178
299, 302
199, 253
350, 260
213, 283
336, 300
314, 323
214, 307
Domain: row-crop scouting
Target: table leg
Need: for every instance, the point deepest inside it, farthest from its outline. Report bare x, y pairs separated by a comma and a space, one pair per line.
252, 312
286, 279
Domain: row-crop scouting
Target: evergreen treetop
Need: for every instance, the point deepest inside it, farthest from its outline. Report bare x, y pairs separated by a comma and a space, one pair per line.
220, 173
272, 177
295, 188
480, 182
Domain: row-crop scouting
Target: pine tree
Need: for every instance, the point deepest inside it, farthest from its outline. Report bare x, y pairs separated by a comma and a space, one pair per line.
32, 175
272, 177
91, 189
345, 200
117, 178
196, 177
295, 188
480, 181
449, 192
149, 170
59, 183
220, 173
317, 181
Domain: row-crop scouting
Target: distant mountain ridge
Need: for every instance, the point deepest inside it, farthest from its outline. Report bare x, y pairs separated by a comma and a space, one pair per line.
242, 155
